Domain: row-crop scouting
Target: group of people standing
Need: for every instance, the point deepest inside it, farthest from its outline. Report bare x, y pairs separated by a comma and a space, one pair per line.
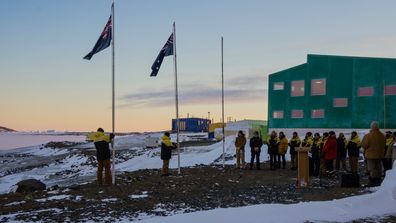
327, 153
324, 152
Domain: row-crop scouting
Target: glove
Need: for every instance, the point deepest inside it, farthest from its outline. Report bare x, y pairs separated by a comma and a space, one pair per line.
112, 136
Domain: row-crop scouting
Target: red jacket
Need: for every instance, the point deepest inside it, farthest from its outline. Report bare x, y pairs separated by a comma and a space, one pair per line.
330, 148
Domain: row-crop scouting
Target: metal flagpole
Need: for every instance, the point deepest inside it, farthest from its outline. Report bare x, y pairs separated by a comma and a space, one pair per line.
113, 92
222, 98
176, 99
384, 106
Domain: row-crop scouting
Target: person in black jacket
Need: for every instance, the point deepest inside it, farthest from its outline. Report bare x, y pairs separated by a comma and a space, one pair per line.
166, 153
341, 152
101, 142
273, 143
255, 149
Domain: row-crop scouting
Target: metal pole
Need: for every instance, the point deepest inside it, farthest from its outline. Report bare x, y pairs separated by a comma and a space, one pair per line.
222, 98
176, 99
384, 106
113, 91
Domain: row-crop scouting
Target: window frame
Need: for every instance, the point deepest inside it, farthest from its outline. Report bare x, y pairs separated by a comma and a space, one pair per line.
365, 88
314, 82
389, 86
274, 88
313, 112
291, 88
340, 106
295, 110
280, 111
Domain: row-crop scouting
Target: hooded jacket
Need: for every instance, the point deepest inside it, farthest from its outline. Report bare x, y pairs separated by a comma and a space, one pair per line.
330, 148
101, 142
255, 141
240, 142
353, 146
273, 144
166, 148
293, 143
374, 144
283, 146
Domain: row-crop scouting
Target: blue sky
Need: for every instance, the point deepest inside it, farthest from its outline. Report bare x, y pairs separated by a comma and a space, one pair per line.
45, 83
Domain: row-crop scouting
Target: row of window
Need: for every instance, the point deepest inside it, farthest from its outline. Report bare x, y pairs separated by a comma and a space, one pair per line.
315, 113
318, 87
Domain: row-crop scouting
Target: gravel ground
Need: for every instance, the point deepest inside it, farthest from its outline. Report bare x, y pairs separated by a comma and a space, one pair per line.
144, 193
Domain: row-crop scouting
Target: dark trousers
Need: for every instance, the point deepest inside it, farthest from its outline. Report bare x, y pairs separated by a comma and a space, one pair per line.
257, 155
314, 166
106, 165
272, 161
329, 165
387, 164
279, 156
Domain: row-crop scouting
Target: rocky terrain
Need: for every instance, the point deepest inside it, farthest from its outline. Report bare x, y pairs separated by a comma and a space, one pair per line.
144, 193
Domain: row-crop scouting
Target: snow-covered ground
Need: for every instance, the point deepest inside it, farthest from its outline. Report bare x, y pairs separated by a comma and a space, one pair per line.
65, 166
380, 203
12, 140
73, 165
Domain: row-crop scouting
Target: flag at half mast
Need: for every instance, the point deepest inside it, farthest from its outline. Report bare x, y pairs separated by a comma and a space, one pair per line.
103, 41
167, 50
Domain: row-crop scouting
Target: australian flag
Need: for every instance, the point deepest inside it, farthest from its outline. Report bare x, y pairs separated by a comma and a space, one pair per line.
103, 41
165, 51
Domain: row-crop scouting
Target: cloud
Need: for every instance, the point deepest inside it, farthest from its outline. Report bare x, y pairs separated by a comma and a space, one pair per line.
236, 90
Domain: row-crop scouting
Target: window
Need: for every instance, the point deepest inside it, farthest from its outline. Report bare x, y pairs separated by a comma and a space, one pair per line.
279, 86
318, 86
340, 102
297, 114
317, 113
390, 90
365, 91
297, 88
278, 114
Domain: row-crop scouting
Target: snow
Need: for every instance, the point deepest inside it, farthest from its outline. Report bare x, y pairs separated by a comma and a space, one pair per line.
143, 195
52, 198
381, 202
12, 140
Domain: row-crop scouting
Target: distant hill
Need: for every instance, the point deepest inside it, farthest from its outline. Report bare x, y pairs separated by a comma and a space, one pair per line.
4, 129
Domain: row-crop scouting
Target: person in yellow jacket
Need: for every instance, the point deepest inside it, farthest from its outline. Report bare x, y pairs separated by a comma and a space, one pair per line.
101, 142
282, 149
353, 148
240, 143
387, 160
166, 152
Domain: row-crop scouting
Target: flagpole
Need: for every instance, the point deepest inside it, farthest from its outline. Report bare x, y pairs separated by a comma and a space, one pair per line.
384, 106
222, 98
176, 99
113, 90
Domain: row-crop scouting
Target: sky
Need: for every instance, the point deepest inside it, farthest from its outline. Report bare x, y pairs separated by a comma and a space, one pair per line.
45, 84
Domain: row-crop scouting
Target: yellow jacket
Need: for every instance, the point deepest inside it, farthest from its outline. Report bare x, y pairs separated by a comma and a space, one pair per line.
307, 142
98, 136
356, 140
283, 145
389, 146
167, 141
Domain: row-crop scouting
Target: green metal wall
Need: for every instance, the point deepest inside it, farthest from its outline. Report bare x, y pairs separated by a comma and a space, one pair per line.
344, 75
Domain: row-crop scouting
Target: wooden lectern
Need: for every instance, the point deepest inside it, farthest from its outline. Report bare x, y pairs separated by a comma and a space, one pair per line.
303, 166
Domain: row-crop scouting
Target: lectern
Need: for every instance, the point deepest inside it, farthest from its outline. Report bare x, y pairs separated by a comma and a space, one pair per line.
303, 166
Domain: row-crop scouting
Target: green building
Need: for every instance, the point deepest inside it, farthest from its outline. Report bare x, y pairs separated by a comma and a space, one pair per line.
333, 92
